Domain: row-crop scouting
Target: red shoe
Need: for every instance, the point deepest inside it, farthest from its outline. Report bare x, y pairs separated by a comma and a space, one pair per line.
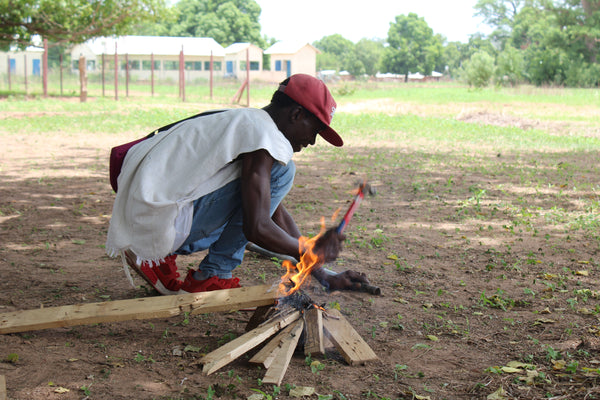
167, 274
162, 277
191, 285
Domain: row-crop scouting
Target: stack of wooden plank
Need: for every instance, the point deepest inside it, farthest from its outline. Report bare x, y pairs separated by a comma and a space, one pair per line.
280, 334
284, 332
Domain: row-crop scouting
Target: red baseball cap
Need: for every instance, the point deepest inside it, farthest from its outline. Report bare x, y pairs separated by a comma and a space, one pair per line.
312, 94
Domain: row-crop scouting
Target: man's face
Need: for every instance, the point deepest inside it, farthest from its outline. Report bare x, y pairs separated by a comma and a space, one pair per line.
305, 131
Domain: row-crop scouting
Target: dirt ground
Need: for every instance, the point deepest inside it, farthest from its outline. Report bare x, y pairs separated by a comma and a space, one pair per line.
469, 285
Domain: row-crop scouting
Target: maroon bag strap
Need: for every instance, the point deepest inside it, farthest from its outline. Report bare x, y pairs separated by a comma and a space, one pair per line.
117, 155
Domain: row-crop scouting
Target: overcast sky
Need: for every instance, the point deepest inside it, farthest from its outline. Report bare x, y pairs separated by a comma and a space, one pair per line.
310, 20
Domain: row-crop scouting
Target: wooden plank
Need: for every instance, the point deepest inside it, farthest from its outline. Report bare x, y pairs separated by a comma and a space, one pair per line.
136, 309
238, 346
276, 371
346, 340
313, 342
2, 387
266, 355
259, 316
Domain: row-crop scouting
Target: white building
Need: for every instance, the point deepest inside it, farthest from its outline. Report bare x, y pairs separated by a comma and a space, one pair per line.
288, 58
235, 60
21, 61
141, 52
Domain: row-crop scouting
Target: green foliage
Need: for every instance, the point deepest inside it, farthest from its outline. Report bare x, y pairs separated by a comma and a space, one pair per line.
412, 46
327, 61
546, 65
12, 358
452, 57
337, 52
583, 74
335, 44
479, 69
499, 14
369, 53
340, 54
226, 21
509, 66
557, 40
73, 21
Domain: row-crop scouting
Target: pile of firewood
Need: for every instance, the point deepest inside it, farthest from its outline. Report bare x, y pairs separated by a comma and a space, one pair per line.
283, 329
282, 325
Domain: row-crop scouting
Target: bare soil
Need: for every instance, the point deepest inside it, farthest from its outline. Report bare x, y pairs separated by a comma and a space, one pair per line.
469, 284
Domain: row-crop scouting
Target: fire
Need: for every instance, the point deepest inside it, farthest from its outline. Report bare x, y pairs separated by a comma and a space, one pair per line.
297, 274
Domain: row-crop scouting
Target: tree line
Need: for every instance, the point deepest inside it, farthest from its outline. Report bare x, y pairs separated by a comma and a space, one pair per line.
543, 42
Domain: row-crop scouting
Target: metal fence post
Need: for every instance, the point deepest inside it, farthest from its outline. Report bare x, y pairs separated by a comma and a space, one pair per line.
45, 68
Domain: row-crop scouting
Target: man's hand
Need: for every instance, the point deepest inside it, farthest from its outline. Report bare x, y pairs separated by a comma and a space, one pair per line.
347, 280
329, 245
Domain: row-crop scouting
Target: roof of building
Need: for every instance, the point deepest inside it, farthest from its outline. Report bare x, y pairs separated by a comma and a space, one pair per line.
416, 75
159, 45
288, 47
236, 48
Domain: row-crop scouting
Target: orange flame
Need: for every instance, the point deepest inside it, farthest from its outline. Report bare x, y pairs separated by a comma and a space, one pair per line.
336, 213
297, 274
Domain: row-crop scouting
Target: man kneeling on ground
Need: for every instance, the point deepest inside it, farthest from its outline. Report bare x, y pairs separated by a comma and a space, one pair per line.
216, 181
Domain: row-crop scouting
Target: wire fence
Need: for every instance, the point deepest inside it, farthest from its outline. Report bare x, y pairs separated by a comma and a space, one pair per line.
65, 83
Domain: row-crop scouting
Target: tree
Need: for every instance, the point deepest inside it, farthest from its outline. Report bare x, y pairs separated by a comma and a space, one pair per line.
499, 14
337, 52
335, 44
226, 21
479, 69
452, 57
72, 21
580, 20
478, 42
327, 61
369, 53
341, 54
412, 46
559, 40
509, 66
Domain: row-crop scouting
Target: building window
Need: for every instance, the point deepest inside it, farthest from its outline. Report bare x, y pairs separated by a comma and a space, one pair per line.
108, 64
216, 65
147, 65
171, 65
193, 65
277, 65
134, 64
89, 64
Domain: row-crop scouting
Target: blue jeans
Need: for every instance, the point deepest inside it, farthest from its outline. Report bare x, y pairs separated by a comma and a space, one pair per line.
218, 220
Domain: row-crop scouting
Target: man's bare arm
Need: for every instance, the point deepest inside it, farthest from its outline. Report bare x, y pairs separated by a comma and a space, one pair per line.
286, 222
259, 228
